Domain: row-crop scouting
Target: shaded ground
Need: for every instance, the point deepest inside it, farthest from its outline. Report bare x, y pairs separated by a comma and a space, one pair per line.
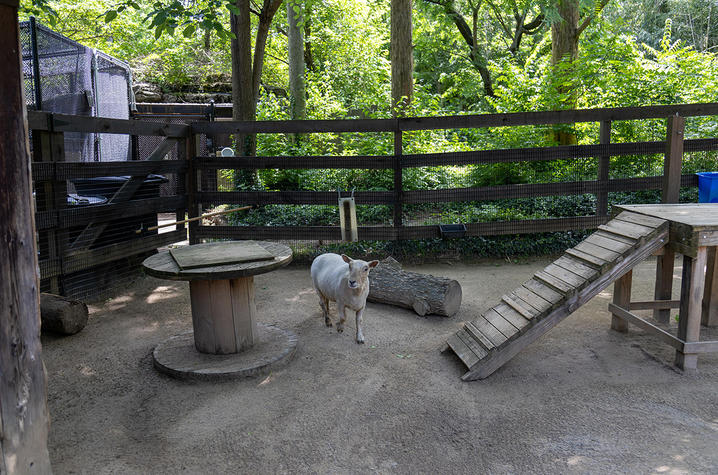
581, 399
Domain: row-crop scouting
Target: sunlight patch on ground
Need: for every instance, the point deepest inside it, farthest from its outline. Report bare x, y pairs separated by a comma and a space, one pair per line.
87, 371
266, 380
119, 302
575, 460
299, 295
161, 293
670, 470
149, 328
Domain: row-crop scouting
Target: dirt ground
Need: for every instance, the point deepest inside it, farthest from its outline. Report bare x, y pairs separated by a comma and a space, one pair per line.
582, 399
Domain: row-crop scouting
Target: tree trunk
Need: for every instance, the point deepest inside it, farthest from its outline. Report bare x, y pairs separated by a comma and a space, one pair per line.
564, 32
62, 315
243, 107
24, 416
308, 59
424, 293
402, 60
295, 39
564, 47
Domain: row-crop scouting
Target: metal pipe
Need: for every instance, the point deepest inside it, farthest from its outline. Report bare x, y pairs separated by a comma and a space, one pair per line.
35, 64
174, 223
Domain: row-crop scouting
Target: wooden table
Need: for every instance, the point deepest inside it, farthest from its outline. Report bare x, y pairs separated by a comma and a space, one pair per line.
223, 315
693, 232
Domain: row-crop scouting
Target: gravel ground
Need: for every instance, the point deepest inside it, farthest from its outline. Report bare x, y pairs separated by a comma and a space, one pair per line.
582, 399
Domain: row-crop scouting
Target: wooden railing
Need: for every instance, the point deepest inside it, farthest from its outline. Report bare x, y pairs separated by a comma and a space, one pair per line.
398, 197
63, 256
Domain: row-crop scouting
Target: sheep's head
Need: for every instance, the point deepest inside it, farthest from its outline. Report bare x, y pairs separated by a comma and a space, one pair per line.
358, 271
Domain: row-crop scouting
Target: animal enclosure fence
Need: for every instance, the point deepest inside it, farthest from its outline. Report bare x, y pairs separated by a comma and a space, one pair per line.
81, 245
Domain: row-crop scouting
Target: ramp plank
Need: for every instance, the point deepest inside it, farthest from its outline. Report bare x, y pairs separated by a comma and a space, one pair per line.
478, 336
536, 301
500, 323
543, 291
625, 229
472, 344
523, 308
588, 258
641, 219
511, 316
489, 331
575, 266
610, 244
555, 283
565, 275
601, 253
462, 350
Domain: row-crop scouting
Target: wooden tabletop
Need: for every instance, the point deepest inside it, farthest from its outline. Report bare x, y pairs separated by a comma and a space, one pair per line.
164, 266
692, 225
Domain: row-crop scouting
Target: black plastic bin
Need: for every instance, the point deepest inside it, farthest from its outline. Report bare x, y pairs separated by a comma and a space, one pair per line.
107, 186
123, 229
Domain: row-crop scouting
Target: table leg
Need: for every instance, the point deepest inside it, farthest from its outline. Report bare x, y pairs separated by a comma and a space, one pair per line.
223, 315
664, 283
710, 293
622, 298
689, 321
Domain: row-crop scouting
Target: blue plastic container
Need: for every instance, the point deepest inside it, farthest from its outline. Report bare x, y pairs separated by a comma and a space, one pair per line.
708, 187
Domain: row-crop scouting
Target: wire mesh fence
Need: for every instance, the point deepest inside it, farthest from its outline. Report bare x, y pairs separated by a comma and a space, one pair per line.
531, 186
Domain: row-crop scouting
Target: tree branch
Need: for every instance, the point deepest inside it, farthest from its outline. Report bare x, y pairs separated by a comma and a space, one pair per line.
591, 17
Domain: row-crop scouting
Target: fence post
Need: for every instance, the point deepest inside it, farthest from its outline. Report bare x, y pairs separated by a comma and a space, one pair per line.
193, 208
671, 187
604, 164
52, 196
398, 180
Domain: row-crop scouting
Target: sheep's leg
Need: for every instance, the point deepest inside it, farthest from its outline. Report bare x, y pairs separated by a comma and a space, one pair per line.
341, 311
324, 303
360, 335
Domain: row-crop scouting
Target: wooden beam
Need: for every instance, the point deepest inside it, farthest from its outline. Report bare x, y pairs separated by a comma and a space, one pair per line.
23, 389
709, 315
634, 319
689, 319
621, 298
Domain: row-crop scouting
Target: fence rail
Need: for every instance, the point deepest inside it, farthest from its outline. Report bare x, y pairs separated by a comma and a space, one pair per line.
70, 236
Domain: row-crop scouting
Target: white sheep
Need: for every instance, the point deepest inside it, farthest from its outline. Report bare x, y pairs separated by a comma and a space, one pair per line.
344, 281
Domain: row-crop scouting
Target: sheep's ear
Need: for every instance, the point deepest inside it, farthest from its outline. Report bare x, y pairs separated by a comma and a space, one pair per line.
373, 263
347, 259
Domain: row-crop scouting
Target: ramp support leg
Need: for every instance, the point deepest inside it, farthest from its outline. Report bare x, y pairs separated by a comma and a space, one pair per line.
621, 298
710, 293
664, 283
689, 321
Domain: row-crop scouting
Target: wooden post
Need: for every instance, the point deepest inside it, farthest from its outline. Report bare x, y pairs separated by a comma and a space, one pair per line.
193, 208
182, 181
398, 181
671, 188
604, 164
622, 298
709, 317
23, 391
689, 321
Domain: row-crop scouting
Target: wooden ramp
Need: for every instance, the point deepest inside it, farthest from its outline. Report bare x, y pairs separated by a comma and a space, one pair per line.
553, 293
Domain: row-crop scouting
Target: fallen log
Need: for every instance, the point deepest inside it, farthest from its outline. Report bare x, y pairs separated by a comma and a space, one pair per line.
425, 294
61, 315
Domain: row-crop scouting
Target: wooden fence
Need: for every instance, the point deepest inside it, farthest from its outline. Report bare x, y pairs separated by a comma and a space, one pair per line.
63, 254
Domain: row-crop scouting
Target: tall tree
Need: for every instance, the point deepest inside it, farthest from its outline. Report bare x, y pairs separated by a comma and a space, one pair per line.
401, 52
295, 53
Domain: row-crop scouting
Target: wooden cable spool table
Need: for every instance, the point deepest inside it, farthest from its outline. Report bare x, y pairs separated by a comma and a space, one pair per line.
227, 341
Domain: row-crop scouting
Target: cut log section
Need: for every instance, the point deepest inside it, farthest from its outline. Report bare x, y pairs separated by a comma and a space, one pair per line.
61, 315
425, 294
